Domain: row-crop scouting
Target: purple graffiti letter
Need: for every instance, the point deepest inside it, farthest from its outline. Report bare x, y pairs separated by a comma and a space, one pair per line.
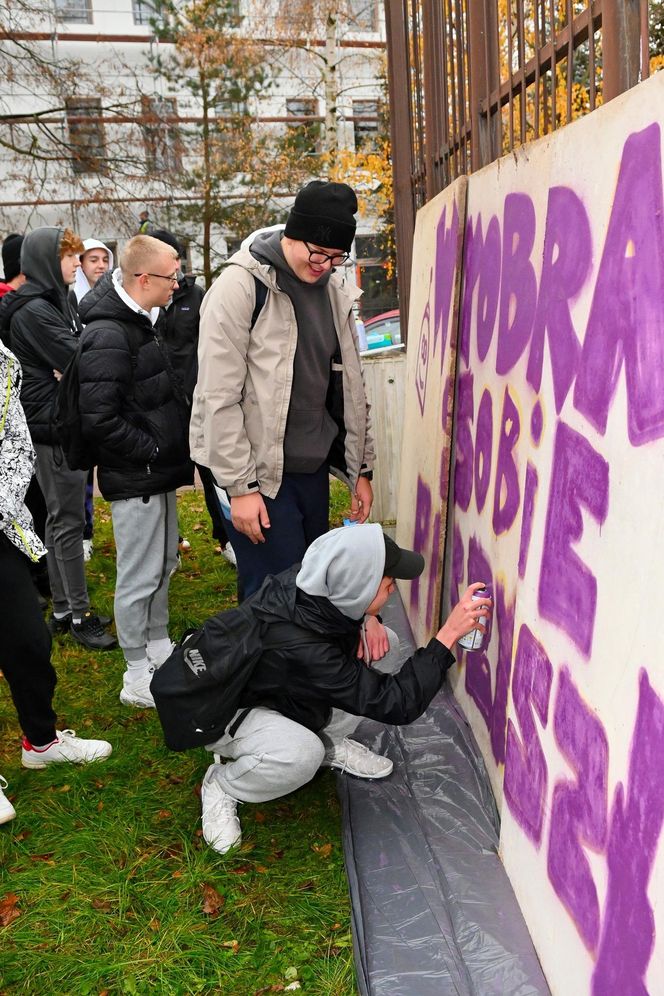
421, 539
526, 773
628, 929
447, 249
504, 615
529, 493
626, 321
463, 464
506, 495
565, 266
579, 809
478, 670
489, 288
567, 588
518, 290
483, 449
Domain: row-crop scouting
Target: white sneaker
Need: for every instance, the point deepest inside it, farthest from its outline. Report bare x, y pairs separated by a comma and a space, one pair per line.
67, 747
136, 688
7, 811
229, 554
221, 826
356, 759
87, 549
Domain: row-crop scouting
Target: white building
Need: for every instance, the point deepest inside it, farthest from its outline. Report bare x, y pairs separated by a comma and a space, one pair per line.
78, 91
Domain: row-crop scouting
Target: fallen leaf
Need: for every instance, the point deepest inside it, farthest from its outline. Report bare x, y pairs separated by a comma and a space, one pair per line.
336, 926
241, 869
47, 858
277, 855
212, 900
259, 817
325, 850
155, 924
233, 945
307, 886
104, 992
23, 835
291, 972
262, 869
177, 874
8, 909
175, 779
100, 806
64, 788
164, 814
101, 904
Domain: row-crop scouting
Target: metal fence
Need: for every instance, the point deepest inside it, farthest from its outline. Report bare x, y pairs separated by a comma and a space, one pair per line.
470, 80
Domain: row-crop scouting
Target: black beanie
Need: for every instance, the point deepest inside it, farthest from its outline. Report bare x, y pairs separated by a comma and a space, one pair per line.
165, 236
323, 213
11, 256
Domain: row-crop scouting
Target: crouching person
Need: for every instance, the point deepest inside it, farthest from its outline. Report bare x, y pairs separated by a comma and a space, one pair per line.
315, 678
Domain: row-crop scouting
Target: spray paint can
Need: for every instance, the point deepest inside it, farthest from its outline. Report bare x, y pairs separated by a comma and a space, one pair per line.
474, 639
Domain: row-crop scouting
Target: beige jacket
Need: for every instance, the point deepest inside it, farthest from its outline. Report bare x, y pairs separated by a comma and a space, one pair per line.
242, 395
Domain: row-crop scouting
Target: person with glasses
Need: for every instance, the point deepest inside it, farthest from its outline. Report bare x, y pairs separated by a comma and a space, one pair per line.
135, 414
280, 401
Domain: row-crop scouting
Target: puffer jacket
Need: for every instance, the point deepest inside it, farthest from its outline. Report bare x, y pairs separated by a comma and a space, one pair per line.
309, 664
130, 400
17, 460
245, 376
40, 328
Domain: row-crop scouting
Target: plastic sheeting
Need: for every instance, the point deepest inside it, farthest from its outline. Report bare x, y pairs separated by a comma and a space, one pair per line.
433, 910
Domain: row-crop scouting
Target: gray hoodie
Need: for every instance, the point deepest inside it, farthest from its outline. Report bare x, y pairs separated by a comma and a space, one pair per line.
345, 566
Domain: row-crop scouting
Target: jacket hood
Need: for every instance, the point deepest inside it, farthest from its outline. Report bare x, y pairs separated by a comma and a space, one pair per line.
345, 566
40, 262
279, 599
103, 301
82, 284
268, 248
12, 302
266, 273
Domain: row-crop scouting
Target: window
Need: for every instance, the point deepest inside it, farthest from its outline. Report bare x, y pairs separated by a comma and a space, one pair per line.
230, 108
161, 134
74, 11
363, 15
303, 135
86, 134
143, 11
365, 114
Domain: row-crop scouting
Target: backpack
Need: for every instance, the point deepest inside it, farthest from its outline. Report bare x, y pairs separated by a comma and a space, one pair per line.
197, 689
78, 452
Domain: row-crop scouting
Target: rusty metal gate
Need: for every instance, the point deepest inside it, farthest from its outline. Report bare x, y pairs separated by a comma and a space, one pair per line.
470, 80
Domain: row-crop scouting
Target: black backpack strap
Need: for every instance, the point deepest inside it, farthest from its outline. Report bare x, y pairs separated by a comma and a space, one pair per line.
261, 298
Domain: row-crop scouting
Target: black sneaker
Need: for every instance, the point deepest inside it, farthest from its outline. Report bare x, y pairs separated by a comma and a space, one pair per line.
92, 634
59, 626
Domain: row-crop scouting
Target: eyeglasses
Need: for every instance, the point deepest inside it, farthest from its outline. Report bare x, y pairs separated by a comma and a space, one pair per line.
172, 280
316, 256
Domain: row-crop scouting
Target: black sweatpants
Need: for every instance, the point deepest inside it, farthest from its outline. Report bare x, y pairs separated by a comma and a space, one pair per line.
25, 646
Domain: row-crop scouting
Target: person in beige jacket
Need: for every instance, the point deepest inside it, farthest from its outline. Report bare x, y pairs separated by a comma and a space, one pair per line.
280, 401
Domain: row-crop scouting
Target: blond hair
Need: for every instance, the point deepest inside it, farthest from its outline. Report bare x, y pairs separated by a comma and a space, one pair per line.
139, 253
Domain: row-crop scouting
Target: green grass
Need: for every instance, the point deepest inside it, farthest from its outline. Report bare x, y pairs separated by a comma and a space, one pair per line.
108, 863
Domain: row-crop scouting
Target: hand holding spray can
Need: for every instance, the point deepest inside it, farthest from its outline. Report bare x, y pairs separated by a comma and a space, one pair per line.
474, 639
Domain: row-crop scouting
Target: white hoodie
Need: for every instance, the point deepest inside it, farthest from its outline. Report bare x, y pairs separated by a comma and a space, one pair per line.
82, 284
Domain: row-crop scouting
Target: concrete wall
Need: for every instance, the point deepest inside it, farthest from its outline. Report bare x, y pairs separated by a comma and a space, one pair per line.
558, 460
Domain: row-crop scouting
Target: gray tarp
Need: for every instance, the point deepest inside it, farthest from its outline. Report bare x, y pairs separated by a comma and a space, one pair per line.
433, 910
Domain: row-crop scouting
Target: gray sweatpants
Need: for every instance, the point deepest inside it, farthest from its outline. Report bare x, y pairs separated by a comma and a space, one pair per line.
146, 541
64, 494
270, 756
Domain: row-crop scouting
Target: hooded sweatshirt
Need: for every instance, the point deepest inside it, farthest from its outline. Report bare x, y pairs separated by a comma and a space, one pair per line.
82, 284
345, 566
40, 327
310, 429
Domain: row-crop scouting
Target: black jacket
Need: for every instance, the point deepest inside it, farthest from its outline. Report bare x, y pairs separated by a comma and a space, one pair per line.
130, 401
178, 328
309, 664
40, 328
